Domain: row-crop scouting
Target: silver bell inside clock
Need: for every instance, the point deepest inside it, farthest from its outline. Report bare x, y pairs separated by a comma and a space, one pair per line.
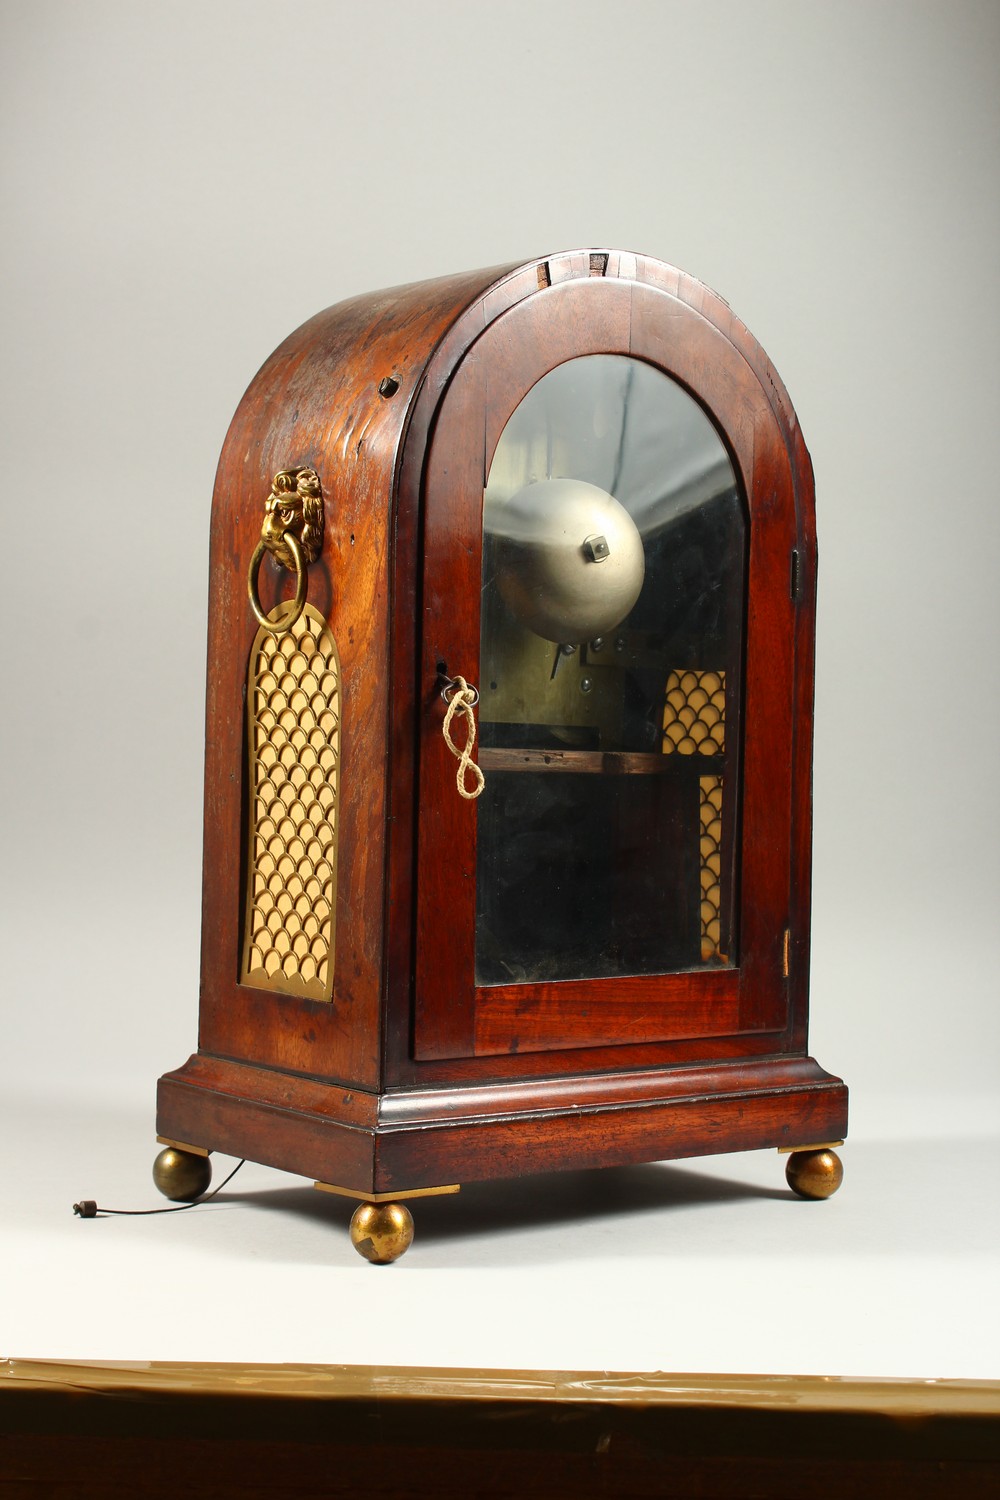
569, 558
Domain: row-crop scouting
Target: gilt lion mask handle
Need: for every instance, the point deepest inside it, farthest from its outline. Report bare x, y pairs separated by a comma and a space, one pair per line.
292, 531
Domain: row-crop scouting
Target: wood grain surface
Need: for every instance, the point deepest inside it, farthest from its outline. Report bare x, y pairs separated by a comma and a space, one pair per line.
86, 1430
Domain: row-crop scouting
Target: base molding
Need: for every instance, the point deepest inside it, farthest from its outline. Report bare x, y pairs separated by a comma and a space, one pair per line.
404, 1141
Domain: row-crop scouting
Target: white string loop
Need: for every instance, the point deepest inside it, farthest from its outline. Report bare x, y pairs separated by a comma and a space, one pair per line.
461, 700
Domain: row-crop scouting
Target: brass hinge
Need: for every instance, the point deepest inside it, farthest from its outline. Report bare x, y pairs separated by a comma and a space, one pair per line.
795, 574
786, 953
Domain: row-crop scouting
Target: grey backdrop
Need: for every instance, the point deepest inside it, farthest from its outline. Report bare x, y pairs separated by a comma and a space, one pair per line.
184, 183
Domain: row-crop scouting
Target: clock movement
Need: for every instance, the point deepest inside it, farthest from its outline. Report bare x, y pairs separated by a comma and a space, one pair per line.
509, 735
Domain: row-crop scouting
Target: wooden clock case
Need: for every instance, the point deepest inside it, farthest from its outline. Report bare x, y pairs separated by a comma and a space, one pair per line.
408, 1075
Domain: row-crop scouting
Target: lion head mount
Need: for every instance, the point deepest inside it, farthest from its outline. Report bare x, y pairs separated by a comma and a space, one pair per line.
294, 505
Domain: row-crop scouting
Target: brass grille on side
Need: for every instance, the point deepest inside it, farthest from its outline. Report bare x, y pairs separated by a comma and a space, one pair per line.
293, 728
694, 723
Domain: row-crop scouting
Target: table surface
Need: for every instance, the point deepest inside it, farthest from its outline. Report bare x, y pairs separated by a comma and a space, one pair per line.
707, 1266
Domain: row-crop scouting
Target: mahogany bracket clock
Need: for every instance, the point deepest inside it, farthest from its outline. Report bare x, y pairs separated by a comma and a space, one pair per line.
507, 812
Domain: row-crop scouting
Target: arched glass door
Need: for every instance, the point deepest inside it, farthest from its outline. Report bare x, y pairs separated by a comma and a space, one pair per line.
611, 628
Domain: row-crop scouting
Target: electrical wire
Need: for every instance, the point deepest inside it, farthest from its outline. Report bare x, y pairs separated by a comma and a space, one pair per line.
88, 1209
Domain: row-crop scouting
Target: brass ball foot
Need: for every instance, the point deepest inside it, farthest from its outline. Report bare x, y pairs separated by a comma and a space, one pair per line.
381, 1232
181, 1176
814, 1174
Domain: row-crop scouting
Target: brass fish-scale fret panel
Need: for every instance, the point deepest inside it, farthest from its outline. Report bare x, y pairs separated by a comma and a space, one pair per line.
293, 724
710, 817
694, 715
694, 723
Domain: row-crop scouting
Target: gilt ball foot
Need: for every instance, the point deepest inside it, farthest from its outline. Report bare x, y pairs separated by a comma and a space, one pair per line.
381, 1232
814, 1174
181, 1176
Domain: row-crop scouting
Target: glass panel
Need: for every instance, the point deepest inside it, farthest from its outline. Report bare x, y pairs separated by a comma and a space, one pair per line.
610, 666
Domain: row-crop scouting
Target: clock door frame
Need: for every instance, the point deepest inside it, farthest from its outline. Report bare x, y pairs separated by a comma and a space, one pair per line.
453, 1017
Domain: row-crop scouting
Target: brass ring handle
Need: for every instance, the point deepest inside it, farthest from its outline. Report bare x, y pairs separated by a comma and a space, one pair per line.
288, 619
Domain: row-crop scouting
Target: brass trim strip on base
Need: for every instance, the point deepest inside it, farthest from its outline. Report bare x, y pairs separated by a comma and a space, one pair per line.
164, 1140
818, 1146
431, 1192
